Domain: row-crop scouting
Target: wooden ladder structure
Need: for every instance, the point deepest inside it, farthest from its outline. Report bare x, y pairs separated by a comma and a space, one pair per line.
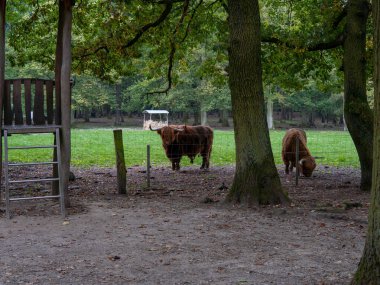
30, 107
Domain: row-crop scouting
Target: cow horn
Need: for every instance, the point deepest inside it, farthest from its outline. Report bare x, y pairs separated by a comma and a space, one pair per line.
150, 128
301, 161
178, 130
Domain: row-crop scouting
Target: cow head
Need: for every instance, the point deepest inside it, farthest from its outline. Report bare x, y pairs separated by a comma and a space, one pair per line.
307, 165
168, 134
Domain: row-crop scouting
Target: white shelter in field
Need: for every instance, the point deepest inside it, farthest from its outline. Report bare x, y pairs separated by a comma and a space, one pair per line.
155, 118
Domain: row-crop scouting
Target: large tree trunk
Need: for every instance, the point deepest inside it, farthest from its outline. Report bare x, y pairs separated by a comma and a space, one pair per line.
256, 178
357, 113
369, 267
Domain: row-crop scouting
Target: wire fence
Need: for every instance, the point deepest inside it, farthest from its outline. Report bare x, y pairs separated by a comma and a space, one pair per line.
95, 148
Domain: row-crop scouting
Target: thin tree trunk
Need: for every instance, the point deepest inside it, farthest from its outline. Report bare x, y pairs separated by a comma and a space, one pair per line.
203, 118
58, 66
357, 113
65, 97
2, 72
368, 271
224, 118
311, 119
118, 105
256, 179
197, 115
86, 114
270, 113
186, 117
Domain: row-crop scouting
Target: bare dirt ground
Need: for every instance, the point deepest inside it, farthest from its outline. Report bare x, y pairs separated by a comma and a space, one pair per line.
181, 232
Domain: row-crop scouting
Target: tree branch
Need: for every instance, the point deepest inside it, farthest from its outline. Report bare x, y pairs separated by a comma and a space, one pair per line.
338, 41
224, 5
139, 34
190, 20
173, 48
163, 16
105, 48
340, 17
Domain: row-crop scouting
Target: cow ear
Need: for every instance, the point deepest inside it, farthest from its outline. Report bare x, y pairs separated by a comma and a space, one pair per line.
159, 131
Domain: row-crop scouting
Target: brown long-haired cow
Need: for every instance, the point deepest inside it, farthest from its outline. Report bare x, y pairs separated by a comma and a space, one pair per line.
180, 140
306, 161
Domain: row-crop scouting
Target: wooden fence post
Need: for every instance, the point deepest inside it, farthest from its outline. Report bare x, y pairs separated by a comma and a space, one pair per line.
120, 162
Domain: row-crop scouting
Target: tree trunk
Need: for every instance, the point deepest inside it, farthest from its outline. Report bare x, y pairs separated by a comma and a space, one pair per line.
58, 65
186, 117
203, 118
368, 271
270, 114
197, 117
118, 105
256, 179
86, 114
357, 113
311, 119
223, 117
304, 119
2, 72
66, 97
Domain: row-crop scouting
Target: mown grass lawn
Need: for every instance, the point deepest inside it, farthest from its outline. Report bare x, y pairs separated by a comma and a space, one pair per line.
95, 147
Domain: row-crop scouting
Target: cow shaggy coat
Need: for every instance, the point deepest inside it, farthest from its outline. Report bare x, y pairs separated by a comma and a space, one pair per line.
181, 140
306, 161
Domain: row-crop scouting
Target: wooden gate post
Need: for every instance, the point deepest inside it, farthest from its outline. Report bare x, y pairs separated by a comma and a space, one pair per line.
120, 162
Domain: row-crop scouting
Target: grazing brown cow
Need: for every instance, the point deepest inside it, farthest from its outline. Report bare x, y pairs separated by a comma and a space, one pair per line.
306, 161
180, 140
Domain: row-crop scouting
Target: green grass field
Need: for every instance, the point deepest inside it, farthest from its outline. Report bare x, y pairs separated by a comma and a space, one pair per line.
95, 147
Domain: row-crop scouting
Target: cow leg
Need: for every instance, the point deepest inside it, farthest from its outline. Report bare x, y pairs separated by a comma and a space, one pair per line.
206, 157
286, 167
291, 166
173, 165
205, 162
177, 166
287, 175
